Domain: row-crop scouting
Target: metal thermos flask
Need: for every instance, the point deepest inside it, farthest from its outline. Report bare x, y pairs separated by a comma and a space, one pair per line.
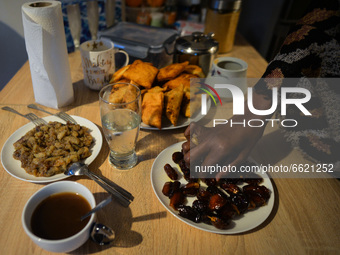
197, 48
222, 19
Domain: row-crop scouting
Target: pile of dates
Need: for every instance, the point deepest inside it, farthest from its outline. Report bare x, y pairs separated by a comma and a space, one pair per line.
218, 202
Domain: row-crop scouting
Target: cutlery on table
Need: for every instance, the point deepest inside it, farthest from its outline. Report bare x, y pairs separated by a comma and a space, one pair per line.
120, 194
62, 115
30, 116
99, 206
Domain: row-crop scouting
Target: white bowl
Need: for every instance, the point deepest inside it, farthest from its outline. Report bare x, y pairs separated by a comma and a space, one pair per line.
63, 245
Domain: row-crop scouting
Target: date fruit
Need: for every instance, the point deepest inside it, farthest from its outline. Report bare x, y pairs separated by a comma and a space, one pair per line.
171, 172
217, 203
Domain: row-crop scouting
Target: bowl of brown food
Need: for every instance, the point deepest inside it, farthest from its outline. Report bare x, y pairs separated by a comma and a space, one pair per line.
42, 154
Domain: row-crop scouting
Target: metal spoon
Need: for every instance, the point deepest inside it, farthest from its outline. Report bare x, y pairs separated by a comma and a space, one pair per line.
124, 192
96, 208
102, 234
82, 169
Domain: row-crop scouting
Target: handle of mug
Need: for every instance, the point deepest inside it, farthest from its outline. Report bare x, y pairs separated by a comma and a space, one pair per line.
126, 56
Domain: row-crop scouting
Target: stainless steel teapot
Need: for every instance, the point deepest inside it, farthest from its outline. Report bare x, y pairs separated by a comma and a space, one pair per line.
197, 48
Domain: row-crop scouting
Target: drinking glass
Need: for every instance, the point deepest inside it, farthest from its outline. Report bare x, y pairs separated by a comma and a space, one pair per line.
74, 21
120, 112
93, 17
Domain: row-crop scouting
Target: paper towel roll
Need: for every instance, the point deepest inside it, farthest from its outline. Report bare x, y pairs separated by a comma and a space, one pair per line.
47, 53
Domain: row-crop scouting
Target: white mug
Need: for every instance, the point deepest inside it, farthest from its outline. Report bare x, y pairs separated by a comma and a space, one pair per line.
228, 70
98, 61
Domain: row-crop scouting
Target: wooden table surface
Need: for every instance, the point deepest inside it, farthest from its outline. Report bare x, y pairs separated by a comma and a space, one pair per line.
305, 218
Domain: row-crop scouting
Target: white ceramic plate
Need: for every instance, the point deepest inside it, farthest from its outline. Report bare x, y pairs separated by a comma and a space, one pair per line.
13, 166
166, 124
246, 222
182, 121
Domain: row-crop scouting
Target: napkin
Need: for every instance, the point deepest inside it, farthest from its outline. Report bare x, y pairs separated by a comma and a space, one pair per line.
47, 53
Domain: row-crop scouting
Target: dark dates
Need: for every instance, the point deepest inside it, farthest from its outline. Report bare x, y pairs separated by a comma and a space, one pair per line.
227, 212
215, 190
201, 206
257, 195
177, 199
191, 188
209, 181
240, 202
170, 188
218, 203
218, 222
203, 195
230, 188
171, 172
177, 157
186, 171
190, 213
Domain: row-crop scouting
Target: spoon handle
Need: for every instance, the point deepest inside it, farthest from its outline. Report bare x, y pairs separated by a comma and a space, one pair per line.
114, 185
98, 207
119, 197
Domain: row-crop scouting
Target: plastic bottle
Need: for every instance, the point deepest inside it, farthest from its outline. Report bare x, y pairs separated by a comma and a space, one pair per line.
156, 19
195, 11
143, 17
170, 13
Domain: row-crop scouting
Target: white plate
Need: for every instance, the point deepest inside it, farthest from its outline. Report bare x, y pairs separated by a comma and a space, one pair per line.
166, 124
182, 121
13, 166
246, 222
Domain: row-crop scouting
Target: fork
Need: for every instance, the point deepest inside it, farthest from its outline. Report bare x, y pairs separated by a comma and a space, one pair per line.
61, 115
30, 116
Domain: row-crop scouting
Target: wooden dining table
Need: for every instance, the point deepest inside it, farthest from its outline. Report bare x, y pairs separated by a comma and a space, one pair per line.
304, 218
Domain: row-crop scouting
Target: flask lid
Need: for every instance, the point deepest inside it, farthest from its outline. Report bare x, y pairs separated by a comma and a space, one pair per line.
197, 43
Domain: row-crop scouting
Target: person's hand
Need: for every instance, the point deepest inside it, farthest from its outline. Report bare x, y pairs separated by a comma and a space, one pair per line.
223, 145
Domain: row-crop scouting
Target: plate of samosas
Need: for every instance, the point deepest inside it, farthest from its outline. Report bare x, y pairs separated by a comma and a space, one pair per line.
168, 100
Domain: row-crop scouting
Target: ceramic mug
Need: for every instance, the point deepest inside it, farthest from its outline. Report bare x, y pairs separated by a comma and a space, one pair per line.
228, 70
60, 245
98, 61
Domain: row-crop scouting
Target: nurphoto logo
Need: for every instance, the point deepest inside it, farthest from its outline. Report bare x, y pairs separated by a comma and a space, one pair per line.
238, 104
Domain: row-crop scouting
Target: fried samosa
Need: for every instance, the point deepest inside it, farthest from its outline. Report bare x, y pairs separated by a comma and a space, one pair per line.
183, 79
194, 69
172, 104
142, 73
171, 71
119, 74
152, 109
190, 104
153, 90
120, 93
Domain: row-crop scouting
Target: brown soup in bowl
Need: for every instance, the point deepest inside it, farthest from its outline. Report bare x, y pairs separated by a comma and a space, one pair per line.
58, 216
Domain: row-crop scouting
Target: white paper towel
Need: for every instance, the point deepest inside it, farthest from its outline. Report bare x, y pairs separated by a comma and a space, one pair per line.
47, 53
